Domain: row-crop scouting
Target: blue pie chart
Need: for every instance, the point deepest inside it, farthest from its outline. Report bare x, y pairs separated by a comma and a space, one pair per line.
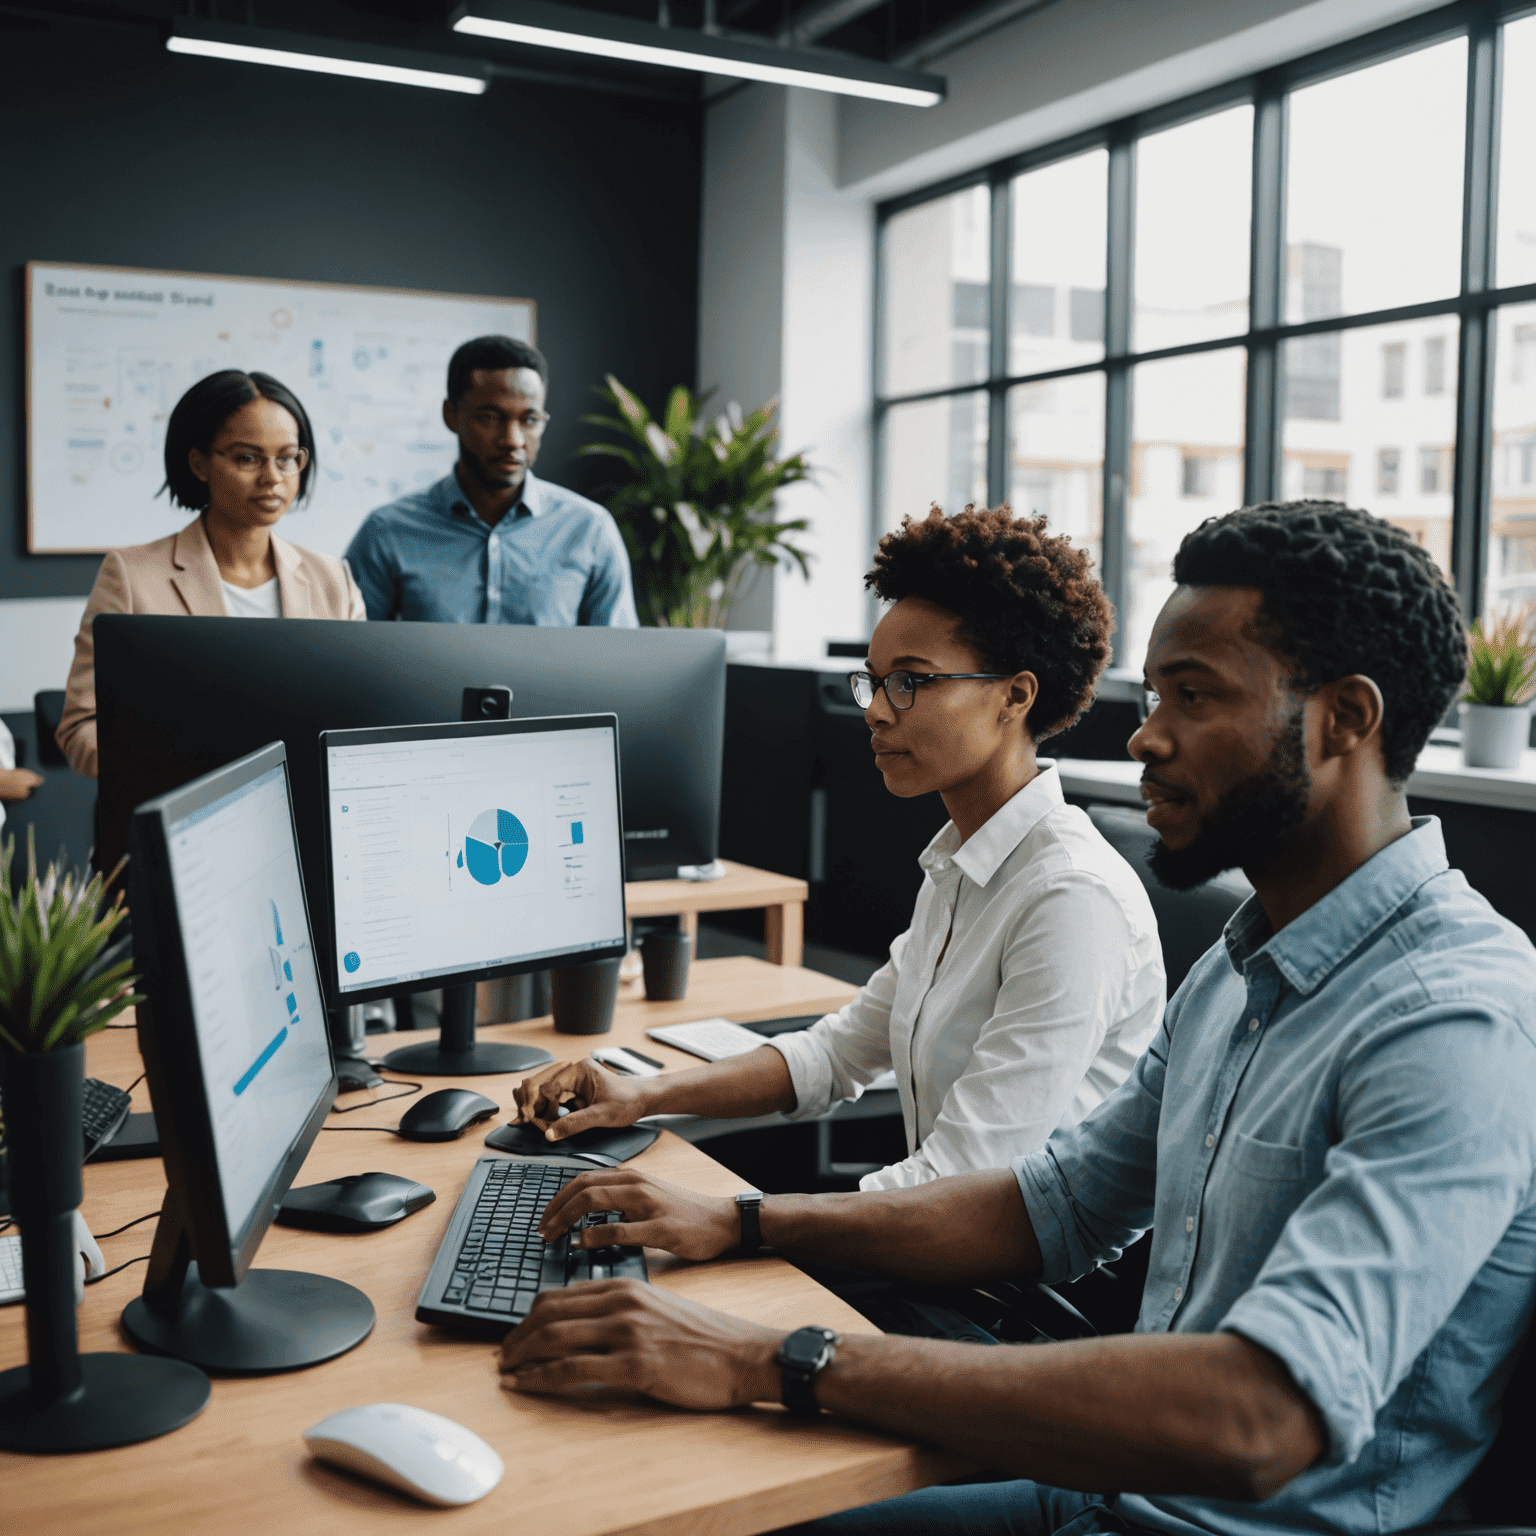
496, 848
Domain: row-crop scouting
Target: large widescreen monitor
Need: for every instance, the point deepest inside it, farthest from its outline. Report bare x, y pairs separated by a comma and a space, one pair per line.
458, 853
233, 1034
177, 697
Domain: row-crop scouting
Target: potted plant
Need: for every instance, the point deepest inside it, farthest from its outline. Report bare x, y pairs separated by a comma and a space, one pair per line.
696, 506
1501, 677
58, 986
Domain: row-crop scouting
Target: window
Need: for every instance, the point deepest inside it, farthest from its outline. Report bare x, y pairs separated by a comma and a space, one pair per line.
1394, 368
1059, 237
1192, 214
1434, 366
1117, 403
1517, 158
1325, 481
1512, 522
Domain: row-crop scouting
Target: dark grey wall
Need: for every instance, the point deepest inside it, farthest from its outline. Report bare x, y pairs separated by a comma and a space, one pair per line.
113, 151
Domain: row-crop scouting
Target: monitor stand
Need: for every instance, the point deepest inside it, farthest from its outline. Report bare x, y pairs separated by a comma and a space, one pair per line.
273, 1320
457, 1053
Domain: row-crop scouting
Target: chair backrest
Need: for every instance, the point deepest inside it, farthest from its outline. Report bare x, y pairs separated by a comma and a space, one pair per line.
47, 711
1188, 922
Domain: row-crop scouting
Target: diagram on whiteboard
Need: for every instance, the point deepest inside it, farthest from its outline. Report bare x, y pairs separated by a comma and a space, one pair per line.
112, 350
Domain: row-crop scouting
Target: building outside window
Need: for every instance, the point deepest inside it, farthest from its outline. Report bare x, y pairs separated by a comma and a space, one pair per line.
1114, 373
1434, 365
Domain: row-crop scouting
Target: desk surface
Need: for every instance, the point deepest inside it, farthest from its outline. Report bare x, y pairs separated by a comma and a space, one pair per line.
578, 1467
741, 886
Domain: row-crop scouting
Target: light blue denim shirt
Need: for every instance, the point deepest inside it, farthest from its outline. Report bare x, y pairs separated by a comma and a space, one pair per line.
555, 559
1334, 1137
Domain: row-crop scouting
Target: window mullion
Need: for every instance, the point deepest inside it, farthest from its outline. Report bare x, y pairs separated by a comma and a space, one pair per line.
997, 364
1471, 515
1266, 297
1118, 299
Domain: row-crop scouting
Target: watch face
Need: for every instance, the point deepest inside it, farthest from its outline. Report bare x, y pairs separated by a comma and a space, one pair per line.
805, 1348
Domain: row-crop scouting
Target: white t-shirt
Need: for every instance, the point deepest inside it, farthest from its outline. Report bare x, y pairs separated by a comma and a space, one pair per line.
263, 602
1049, 988
7, 758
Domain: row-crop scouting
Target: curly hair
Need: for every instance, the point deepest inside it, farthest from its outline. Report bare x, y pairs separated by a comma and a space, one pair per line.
1026, 599
1344, 593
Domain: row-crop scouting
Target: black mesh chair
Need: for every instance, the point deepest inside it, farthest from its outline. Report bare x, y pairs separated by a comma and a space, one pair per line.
1188, 922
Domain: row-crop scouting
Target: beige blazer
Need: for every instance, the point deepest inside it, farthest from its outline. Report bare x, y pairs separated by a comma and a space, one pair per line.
179, 575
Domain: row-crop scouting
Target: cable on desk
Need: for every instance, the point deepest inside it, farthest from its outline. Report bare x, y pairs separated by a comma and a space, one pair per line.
115, 1230
134, 1084
410, 1088
143, 1258
119, 1026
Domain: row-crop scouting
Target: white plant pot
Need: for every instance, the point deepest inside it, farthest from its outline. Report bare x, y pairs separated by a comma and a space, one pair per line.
1494, 735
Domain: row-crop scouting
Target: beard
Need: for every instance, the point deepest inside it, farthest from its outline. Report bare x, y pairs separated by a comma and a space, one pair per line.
1251, 824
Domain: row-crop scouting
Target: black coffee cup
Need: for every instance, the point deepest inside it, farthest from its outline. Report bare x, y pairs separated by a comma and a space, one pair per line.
665, 957
582, 997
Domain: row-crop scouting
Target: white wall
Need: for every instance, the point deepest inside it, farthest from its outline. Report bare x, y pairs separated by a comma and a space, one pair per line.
37, 644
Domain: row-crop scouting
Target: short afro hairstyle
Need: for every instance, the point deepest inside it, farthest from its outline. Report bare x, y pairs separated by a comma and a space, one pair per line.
495, 354
1344, 593
1026, 599
197, 417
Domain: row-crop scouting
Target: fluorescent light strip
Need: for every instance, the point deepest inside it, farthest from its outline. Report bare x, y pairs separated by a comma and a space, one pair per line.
391, 74
707, 64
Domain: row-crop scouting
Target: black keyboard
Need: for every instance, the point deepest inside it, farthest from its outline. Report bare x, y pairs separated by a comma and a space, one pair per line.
106, 1109
492, 1262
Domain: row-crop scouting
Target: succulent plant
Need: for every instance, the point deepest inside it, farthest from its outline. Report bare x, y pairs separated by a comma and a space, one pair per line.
1502, 659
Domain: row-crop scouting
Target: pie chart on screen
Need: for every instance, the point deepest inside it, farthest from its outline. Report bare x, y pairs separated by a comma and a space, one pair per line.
496, 847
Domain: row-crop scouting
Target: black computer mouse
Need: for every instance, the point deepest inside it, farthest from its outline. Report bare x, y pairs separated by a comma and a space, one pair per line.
361, 1202
443, 1115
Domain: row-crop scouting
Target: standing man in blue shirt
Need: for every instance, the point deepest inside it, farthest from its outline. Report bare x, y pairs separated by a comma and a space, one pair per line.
1331, 1136
490, 544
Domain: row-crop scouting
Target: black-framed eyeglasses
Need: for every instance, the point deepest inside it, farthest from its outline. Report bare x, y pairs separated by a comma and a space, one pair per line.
901, 687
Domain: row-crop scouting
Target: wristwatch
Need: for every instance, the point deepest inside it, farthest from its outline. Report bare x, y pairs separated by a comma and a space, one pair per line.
802, 1355
749, 1202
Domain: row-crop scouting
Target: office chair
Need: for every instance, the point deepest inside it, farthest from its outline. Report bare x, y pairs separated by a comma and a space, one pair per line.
1188, 922
47, 711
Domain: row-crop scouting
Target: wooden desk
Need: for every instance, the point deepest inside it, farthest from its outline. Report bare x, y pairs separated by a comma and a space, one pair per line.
741, 887
578, 1467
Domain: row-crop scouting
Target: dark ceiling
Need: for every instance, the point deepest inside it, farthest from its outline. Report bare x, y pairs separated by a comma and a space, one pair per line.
906, 32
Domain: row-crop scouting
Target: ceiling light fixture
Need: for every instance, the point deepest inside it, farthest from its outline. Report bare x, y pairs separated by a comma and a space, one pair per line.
638, 42
324, 56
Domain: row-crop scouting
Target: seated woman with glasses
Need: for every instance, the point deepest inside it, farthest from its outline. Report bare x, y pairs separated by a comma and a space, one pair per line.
1031, 978
239, 452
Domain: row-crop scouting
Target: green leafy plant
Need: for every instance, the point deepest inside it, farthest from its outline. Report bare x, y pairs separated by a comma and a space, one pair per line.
1502, 660
696, 507
57, 982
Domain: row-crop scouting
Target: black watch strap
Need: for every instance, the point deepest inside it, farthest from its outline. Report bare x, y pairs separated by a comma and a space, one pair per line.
803, 1355
749, 1203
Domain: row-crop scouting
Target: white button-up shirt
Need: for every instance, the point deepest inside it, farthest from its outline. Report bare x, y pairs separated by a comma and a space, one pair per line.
1030, 982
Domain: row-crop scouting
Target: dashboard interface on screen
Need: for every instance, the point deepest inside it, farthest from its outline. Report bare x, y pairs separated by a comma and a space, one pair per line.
255, 988
470, 852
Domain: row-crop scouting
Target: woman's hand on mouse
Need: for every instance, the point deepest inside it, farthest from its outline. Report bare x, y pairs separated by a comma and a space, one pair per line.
656, 1215
621, 1333
599, 1098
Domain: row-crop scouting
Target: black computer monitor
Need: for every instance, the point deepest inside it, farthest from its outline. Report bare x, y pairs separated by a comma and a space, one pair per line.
459, 853
235, 1046
176, 697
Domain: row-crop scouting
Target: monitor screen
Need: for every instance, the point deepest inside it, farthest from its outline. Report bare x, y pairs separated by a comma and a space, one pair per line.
467, 848
253, 981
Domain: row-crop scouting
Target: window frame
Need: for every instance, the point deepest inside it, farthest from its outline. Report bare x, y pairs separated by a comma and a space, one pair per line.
1474, 306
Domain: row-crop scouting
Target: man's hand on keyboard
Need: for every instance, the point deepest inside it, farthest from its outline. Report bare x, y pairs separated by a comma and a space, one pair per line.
621, 1333
601, 1098
656, 1215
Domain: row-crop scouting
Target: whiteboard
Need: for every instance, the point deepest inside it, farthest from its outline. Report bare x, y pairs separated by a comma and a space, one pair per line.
110, 350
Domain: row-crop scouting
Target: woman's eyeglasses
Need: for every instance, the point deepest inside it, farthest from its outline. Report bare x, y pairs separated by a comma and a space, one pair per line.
248, 463
901, 687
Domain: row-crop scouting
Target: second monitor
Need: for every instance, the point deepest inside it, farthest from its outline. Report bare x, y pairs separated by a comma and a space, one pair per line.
463, 852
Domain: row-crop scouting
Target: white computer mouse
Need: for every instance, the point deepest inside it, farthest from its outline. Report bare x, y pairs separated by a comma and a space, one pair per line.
419, 1452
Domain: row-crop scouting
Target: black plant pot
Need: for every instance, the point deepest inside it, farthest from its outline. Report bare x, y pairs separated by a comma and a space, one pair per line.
62, 1400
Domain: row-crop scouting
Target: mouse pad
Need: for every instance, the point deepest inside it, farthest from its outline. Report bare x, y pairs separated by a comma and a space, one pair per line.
606, 1147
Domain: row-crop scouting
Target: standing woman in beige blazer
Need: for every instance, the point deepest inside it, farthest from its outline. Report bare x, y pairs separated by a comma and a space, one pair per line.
239, 452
